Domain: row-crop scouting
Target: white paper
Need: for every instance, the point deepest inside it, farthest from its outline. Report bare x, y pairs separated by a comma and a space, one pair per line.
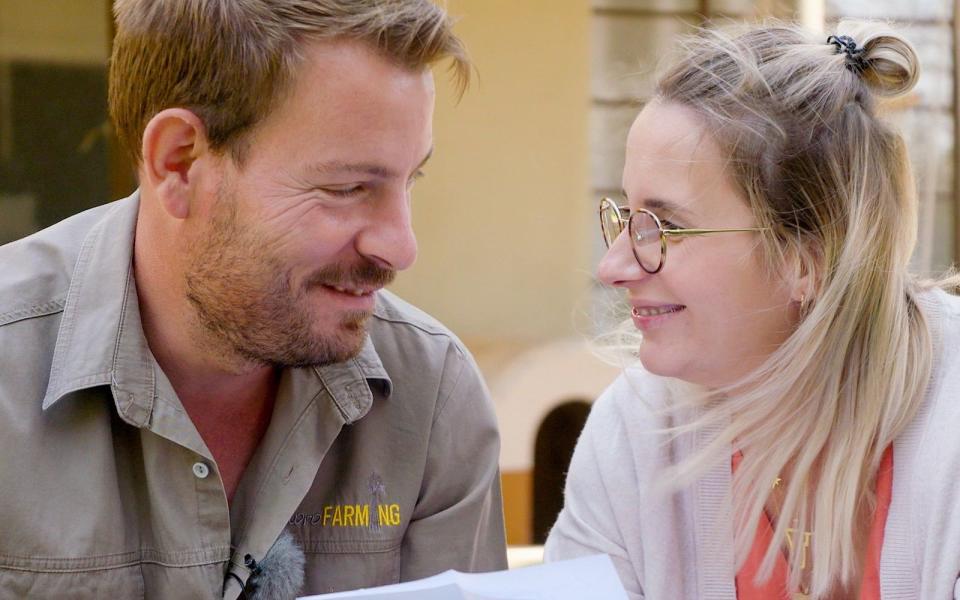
575, 579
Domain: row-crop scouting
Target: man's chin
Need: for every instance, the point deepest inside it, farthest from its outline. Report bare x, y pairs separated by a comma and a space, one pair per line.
347, 346
329, 348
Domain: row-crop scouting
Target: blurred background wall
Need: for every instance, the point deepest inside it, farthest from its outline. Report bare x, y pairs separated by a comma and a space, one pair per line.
53, 151
506, 217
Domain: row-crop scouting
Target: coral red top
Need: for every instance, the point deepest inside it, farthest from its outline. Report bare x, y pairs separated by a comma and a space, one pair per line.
776, 586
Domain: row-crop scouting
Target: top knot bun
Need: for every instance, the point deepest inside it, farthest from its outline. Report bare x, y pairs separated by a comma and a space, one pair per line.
889, 63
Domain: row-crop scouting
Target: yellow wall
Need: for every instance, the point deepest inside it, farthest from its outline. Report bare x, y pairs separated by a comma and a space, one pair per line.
65, 31
502, 216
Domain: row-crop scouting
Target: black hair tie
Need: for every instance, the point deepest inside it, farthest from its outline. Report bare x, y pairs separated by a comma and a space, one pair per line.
855, 55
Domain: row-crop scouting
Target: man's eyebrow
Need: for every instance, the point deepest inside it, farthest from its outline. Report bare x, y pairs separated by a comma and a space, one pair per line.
340, 167
371, 169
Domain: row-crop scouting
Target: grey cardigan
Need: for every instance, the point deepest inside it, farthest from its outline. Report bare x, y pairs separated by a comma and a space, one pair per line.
681, 546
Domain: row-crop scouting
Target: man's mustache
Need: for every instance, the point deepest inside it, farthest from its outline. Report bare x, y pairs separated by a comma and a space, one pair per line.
363, 274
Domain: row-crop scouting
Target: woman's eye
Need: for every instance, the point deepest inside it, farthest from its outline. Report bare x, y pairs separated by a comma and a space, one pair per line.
668, 225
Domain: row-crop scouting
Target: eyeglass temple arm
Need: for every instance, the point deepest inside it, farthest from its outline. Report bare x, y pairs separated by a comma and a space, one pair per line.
669, 232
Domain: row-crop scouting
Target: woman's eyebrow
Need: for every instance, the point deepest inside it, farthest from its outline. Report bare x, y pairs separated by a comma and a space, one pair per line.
666, 207
662, 207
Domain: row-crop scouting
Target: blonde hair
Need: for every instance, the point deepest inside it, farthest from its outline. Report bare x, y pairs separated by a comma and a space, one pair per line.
797, 120
230, 61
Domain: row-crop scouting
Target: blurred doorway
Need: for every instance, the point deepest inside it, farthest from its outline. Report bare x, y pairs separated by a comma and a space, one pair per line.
555, 441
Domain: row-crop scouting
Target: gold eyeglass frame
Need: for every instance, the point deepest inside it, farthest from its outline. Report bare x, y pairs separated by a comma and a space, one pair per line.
619, 211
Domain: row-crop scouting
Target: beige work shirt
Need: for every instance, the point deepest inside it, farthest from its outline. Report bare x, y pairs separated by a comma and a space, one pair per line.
384, 468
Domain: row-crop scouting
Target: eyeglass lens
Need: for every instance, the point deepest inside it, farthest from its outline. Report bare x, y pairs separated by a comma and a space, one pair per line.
610, 223
645, 239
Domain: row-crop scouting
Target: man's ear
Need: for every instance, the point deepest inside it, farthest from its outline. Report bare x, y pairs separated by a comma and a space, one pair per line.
173, 140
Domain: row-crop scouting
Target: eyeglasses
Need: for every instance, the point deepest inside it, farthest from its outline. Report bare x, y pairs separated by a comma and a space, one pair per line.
645, 230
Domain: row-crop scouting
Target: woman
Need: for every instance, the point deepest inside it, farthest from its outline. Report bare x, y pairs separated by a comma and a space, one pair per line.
793, 429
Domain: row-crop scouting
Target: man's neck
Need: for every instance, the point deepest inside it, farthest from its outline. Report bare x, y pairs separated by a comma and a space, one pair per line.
232, 417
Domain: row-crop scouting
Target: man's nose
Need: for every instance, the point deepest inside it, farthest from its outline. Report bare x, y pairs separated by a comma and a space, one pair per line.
388, 239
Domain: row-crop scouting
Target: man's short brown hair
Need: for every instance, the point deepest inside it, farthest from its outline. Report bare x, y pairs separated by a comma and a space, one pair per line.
229, 61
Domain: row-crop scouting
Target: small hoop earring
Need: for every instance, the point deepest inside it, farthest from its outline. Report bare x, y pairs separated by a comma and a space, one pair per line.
804, 307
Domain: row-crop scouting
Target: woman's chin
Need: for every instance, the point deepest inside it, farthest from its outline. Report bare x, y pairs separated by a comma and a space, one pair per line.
658, 362
675, 365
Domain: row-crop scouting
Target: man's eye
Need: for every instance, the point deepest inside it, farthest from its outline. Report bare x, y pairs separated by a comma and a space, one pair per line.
413, 178
343, 192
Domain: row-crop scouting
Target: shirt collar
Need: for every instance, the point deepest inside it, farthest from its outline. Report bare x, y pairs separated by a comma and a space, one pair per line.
101, 339
349, 382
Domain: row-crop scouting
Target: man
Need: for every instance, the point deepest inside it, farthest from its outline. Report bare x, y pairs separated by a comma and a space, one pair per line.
188, 373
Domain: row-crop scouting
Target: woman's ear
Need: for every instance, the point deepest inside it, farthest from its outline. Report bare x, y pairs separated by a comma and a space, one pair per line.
173, 140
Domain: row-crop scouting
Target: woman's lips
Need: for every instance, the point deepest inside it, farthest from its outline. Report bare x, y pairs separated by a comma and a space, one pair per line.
650, 316
655, 311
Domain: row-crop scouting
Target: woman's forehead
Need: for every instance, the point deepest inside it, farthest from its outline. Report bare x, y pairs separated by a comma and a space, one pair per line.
666, 133
671, 156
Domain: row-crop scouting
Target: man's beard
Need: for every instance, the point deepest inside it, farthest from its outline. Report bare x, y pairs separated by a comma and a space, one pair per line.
245, 302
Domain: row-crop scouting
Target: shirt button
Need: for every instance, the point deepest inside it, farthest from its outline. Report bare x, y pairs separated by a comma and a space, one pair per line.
201, 470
